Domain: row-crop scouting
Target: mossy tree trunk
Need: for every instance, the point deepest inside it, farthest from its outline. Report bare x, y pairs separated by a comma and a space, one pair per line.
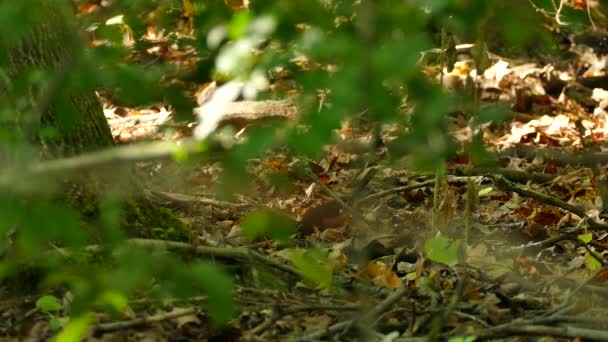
64, 103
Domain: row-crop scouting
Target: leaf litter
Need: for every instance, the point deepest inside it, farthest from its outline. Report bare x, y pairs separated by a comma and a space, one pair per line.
524, 262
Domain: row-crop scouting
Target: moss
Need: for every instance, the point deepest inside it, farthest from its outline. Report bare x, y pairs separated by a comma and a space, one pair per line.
145, 219
142, 218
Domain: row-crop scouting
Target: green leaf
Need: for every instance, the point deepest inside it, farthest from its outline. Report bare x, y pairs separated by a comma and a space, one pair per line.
114, 300
55, 323
180, 154
485, 191
312, 265
585, 238
439, 249
592, 262
273, 224
76, 329
218, 286
48, 303
462, 339
238, 24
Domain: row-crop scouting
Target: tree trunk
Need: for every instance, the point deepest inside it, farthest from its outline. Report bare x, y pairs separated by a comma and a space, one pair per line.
52, 43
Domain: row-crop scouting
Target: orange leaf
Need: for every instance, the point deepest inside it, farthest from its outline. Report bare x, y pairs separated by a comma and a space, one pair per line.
373, 269
87, 8
392, 280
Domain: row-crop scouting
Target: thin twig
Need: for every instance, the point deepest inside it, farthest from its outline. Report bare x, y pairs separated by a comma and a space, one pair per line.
507, 185
331, 330
541, 330
114, 326
367, 319
235, 253
187, 200
450, 179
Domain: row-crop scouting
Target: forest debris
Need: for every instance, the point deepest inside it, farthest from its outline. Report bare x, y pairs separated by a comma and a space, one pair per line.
510, 186
121, 325
187, 200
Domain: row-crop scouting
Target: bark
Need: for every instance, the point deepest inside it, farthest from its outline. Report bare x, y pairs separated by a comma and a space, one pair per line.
53, 44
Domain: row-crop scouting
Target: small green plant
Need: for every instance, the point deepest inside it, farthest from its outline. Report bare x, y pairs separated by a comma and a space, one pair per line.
50, 305
592, 258
440, 249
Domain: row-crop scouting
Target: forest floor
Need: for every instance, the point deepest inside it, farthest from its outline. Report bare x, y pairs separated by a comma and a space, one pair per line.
386, 268
533, 265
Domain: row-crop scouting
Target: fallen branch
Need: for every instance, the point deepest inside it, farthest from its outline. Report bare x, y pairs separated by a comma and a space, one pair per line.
542, 330
187, 200
15, 177
368, 319
233, 253
238, 253
513, 175
451, 179
114, 326
243, 113
507, 185
557, 156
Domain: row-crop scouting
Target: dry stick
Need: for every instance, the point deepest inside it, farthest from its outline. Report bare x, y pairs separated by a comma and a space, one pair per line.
550, 241
451, 179
243, 112
515, 327
541, 330
257, 330
137, 118
330, 192
335, 307
331, 330
217, 252
110, 156
237, 253
440, 320
233, 253
513, 175
114, 326
187, 200
367, 319
571, 295
558, 156
572, 319
507, 185
372, 315
472, 318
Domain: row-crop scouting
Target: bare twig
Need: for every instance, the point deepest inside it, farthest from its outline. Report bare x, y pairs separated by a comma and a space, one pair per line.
450, 179
183, 200
235, 253
114, 326
112, 156
542, 330
368, 319
318, 335
507, 185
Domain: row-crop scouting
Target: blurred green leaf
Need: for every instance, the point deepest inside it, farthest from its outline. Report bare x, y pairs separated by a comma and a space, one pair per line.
238, 24
76, 329
592, 262
313, 265
116, 301
48, 303
440, 249
219, 289
585, 238
268, 223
